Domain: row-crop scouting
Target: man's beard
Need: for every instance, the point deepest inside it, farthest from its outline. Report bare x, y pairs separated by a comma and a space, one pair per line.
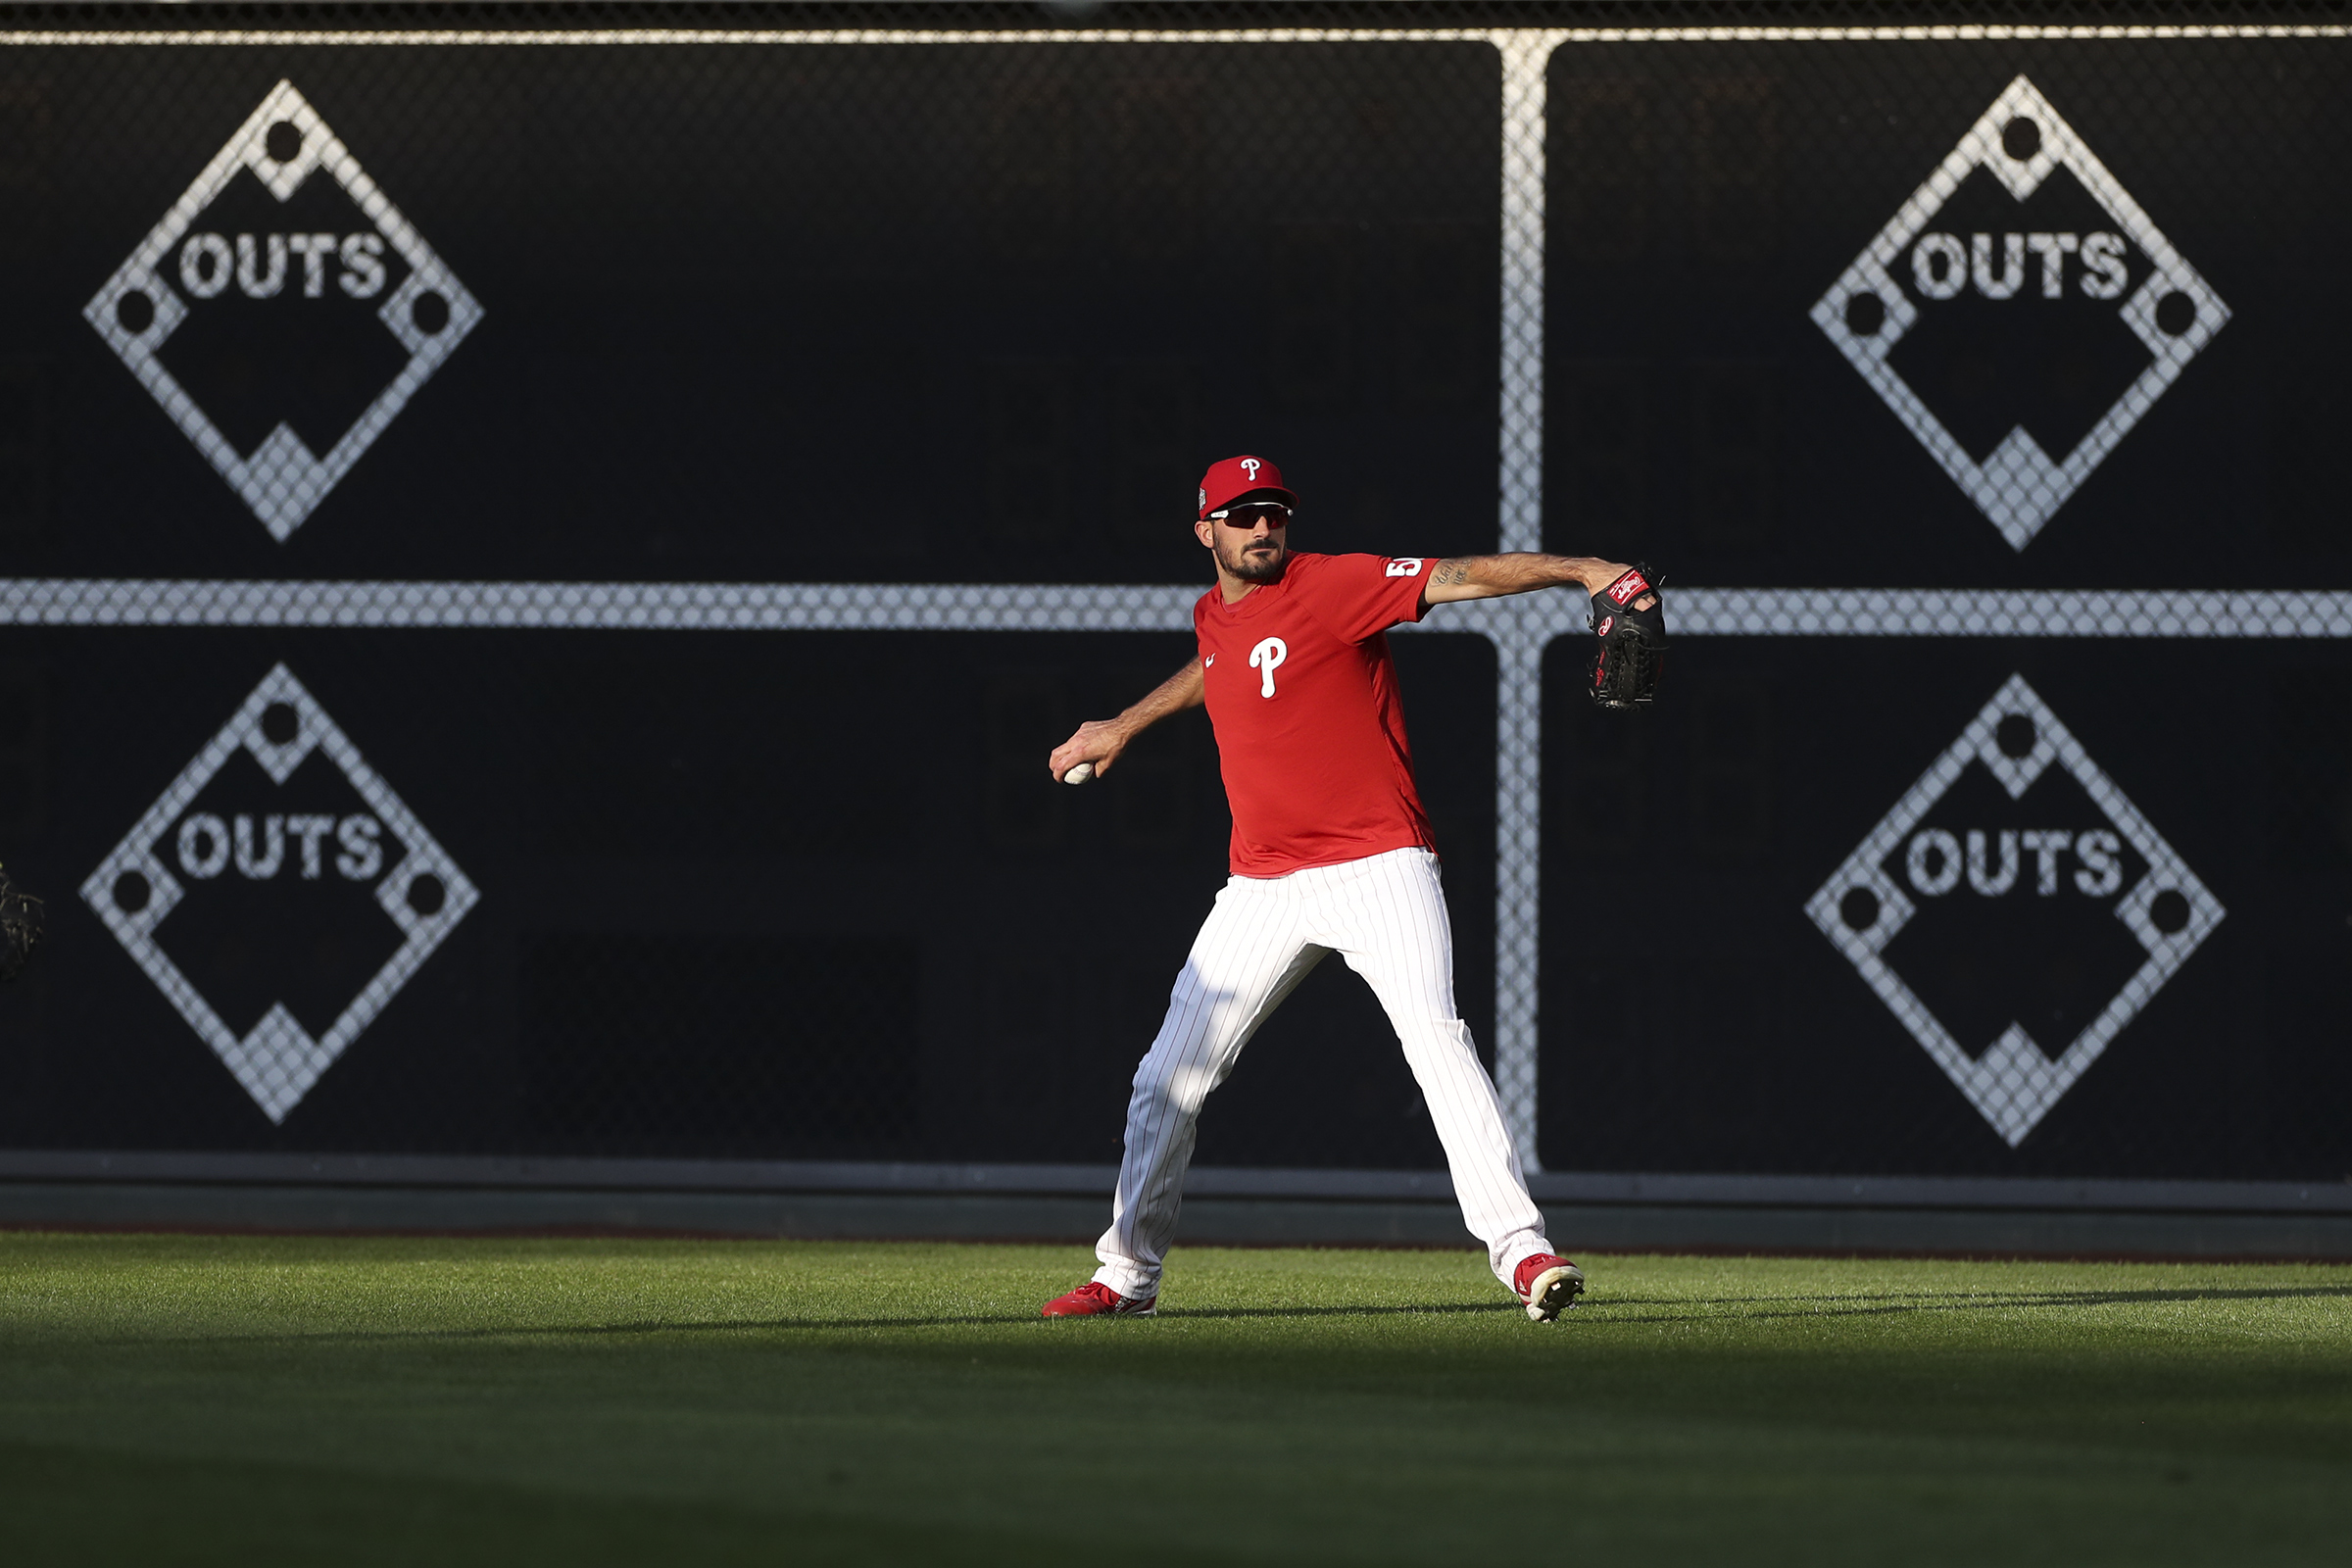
1264, 565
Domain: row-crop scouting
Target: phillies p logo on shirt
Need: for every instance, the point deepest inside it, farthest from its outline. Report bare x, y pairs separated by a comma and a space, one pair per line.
1266, 655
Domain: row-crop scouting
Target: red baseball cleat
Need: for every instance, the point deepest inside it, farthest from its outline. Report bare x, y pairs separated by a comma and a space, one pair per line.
1548, 1285
1093, 1300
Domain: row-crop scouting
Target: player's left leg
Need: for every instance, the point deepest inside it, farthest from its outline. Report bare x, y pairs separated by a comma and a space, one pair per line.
1386, 915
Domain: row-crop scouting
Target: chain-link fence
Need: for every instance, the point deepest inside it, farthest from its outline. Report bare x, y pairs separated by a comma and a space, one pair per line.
541, 555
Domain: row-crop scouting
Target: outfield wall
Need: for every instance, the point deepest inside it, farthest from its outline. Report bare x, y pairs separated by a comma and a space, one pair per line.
538, 570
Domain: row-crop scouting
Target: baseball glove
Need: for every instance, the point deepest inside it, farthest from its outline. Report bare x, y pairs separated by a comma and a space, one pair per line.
19, 927
1632, 657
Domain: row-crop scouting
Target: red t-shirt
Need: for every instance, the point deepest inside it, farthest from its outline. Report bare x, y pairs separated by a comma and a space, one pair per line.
1310, 732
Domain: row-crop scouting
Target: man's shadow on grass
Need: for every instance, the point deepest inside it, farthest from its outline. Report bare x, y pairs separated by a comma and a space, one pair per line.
1877, 1305
1613, 1307
651, 1326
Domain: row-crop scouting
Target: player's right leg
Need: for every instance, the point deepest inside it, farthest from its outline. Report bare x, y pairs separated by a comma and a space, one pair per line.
1250, 954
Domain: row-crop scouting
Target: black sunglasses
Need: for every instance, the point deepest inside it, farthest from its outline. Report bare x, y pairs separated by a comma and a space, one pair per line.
1246, 516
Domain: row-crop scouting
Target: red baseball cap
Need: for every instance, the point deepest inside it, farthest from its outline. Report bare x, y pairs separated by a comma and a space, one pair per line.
1228, 481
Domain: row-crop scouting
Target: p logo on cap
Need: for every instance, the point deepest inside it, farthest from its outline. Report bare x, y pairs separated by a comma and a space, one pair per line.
1228, 481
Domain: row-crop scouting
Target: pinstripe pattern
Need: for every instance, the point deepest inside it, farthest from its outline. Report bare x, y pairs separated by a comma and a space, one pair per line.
1385, 917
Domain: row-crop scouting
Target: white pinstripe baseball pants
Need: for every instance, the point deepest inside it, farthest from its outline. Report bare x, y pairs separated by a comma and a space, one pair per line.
1386, 915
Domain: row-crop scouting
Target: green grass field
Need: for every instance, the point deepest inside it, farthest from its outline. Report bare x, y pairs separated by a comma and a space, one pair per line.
190, 1399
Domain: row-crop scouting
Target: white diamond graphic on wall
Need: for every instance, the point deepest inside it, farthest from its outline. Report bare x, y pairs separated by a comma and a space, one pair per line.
2013, 1078
372, 857
251, 268
1912, 268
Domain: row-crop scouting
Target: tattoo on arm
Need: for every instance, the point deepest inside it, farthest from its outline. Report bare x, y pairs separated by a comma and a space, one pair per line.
1515, 571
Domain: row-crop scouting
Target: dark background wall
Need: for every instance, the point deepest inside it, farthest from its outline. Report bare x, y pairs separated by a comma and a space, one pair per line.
981, 314
1703, 197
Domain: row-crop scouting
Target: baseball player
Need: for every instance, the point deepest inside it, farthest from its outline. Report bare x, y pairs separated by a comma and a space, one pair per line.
1331, 852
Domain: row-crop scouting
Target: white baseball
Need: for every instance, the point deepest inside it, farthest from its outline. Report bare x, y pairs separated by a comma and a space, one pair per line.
1079, 774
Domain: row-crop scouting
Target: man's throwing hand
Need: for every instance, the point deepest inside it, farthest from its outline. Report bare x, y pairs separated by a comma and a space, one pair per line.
1096, 746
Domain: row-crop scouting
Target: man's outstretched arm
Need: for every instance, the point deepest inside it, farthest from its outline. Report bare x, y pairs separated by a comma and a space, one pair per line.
1100, 741
1522, 572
